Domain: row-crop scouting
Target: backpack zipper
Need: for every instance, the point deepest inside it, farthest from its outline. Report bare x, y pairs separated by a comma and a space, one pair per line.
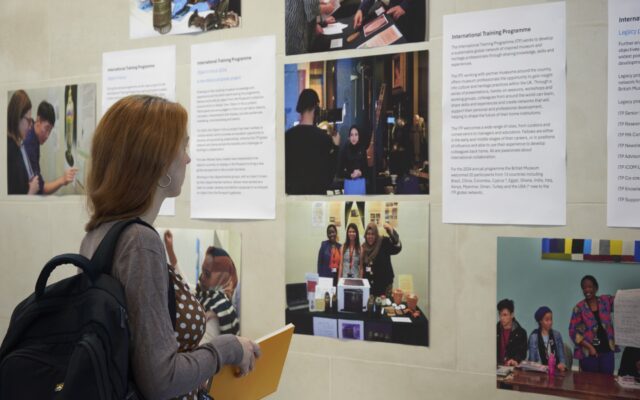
98, 366
123, 318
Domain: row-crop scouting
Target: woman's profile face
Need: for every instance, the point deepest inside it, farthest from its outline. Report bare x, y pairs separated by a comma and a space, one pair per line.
354, 136
370, 237
178, 168
351, 234
206, 276
547, 321
24, 124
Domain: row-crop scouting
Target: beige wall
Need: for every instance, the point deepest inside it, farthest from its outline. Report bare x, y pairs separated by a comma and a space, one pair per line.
49, 43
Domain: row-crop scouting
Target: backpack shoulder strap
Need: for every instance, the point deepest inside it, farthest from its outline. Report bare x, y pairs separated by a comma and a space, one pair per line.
103, 258
172, 300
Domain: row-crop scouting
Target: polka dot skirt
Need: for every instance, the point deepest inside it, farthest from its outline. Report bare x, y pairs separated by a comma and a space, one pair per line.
190, 320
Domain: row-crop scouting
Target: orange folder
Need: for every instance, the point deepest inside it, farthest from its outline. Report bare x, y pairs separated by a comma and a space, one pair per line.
264, 378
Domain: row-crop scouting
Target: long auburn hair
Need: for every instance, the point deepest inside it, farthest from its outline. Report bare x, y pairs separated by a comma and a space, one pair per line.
133, 146
19, 105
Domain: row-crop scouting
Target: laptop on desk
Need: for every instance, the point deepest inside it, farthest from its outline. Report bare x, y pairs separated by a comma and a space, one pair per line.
297, 296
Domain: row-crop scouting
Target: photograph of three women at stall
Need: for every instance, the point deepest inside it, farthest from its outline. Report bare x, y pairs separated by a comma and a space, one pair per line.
557, 330
358, 270
357, 126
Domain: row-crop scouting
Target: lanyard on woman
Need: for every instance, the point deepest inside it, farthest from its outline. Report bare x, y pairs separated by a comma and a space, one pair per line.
351, 251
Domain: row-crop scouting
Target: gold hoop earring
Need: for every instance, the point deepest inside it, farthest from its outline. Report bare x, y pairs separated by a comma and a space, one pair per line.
167, 185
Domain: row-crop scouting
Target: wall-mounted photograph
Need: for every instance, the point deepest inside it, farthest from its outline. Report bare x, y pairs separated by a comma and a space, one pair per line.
149, 18
49, 133
357, 126
207, 263
359, 270
328, 25
568, 328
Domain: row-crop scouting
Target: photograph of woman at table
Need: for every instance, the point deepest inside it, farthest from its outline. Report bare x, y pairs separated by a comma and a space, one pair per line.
544, 341
526, 277
408, 15
329, 255
302, 23
325, 25
351, 264
511, 337
591, 329
353, 163
376, 258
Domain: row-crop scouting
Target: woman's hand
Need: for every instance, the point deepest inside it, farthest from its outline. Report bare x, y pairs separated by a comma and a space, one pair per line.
168, 243
34, 185
335, 138
511, 363
357, 19
250, 351
592, 350
356, 174
168, 239
209, 315
396, 12
387, 227
69, 175
326, 9
562, 367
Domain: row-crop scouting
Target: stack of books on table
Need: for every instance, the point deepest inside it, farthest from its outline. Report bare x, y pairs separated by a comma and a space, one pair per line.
533, 366
503, 370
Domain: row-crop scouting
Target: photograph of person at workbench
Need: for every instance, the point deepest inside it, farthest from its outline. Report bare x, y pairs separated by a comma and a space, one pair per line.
327, 25
155, 18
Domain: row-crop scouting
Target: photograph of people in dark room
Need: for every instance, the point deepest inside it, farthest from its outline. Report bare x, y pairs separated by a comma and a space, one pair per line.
357, 126
324, 25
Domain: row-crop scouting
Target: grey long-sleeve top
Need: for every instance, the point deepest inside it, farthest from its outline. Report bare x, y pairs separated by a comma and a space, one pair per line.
160, 372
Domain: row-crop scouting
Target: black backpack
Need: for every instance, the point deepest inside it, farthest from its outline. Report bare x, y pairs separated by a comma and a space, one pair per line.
70, 340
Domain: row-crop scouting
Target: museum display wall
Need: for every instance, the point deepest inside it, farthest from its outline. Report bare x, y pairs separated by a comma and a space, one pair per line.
52, 44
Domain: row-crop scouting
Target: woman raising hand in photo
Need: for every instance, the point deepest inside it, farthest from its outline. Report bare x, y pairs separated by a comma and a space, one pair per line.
376, 257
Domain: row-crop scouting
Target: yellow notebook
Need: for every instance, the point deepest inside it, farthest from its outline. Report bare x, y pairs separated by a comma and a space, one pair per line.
264, 378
